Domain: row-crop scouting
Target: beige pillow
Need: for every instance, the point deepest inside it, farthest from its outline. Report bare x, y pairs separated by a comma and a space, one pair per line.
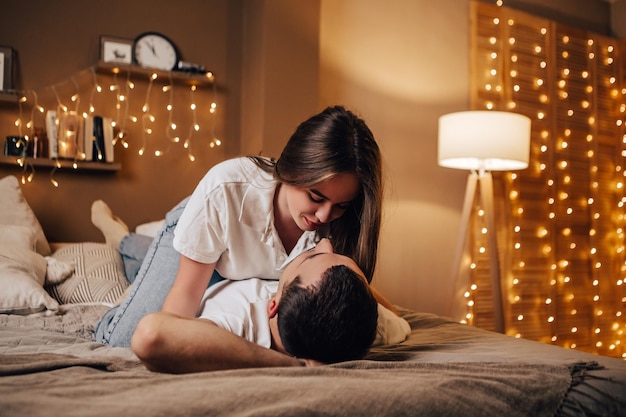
22, 273
20, 237
98, 275
14, 210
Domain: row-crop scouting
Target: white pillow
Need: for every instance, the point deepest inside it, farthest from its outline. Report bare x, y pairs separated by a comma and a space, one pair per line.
391, 329
22, 273
14, 210
21, 237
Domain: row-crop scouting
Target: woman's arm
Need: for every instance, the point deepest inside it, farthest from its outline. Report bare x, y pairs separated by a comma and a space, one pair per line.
191, 281
168, 343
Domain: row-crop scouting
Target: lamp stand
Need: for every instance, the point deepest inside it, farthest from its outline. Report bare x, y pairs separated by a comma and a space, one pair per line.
485, 179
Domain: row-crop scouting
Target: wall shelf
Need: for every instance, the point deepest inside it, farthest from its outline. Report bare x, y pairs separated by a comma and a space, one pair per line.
65, 164
187, 78
182, 77
8, 98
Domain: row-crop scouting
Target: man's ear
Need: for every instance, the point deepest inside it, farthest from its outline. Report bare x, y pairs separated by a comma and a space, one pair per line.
272, 308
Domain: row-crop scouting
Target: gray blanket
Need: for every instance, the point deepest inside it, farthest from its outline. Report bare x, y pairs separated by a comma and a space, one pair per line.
439, 371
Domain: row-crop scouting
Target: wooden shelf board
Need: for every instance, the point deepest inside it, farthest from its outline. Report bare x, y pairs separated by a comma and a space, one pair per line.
6, 97
180, 76
65, 164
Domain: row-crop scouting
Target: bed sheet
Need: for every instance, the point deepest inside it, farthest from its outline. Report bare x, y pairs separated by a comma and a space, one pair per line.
50, 366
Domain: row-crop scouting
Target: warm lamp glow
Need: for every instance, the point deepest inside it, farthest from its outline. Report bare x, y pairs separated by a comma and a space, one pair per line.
484, 140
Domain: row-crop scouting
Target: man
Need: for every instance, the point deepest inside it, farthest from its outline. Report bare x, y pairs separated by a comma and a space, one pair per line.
320, 311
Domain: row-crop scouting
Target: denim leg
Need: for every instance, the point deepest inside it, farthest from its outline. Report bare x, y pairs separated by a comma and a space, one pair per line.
133, 249
150, 288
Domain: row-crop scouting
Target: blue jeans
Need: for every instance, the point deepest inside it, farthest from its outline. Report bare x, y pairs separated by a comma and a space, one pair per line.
149, 289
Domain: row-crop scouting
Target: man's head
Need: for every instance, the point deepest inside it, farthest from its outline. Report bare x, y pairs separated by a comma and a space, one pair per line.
324, 309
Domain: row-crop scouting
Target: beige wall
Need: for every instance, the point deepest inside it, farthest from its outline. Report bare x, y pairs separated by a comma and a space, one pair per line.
280, 71
402, 64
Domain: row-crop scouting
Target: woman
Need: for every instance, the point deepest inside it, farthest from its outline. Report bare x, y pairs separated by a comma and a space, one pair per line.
249, 217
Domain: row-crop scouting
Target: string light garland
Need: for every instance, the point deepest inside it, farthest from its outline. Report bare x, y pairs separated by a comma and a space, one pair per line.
21, 161
87, 83
563, 217
147, 117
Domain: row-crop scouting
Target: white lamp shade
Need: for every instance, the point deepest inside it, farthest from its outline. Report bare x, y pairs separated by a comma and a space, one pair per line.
484, 140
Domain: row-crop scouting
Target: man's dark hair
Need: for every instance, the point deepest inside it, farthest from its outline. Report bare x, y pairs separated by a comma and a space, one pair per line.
333, 321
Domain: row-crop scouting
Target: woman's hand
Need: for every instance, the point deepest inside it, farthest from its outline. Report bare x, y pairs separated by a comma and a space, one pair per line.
311, 362
191, 282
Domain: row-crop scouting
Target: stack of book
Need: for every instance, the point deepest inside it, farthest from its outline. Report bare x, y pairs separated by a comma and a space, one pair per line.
71, 136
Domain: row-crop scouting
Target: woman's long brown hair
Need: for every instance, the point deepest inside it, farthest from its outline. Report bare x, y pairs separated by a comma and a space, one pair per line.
332, 142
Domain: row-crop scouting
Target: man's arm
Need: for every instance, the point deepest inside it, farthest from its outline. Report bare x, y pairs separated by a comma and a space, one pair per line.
168, 343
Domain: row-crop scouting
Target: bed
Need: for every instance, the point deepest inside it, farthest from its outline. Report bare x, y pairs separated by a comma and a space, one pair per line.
50, 364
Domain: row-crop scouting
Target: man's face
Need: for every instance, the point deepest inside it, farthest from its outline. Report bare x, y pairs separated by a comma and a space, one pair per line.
310, 266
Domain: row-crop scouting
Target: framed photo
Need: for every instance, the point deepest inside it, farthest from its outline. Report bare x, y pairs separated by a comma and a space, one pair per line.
7, 55
114, 49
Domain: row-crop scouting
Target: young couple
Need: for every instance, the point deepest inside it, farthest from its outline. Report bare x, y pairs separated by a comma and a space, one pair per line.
311, 218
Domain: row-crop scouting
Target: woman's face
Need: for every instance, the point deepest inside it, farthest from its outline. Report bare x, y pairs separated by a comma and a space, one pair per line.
322, 203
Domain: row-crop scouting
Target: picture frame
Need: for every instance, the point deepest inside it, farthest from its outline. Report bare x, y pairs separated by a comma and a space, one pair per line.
116, 50
7, 58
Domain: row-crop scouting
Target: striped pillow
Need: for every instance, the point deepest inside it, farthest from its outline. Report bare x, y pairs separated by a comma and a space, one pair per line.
98, 275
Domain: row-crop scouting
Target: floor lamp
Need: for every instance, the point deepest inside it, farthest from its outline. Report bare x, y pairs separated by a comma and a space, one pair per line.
483, 141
